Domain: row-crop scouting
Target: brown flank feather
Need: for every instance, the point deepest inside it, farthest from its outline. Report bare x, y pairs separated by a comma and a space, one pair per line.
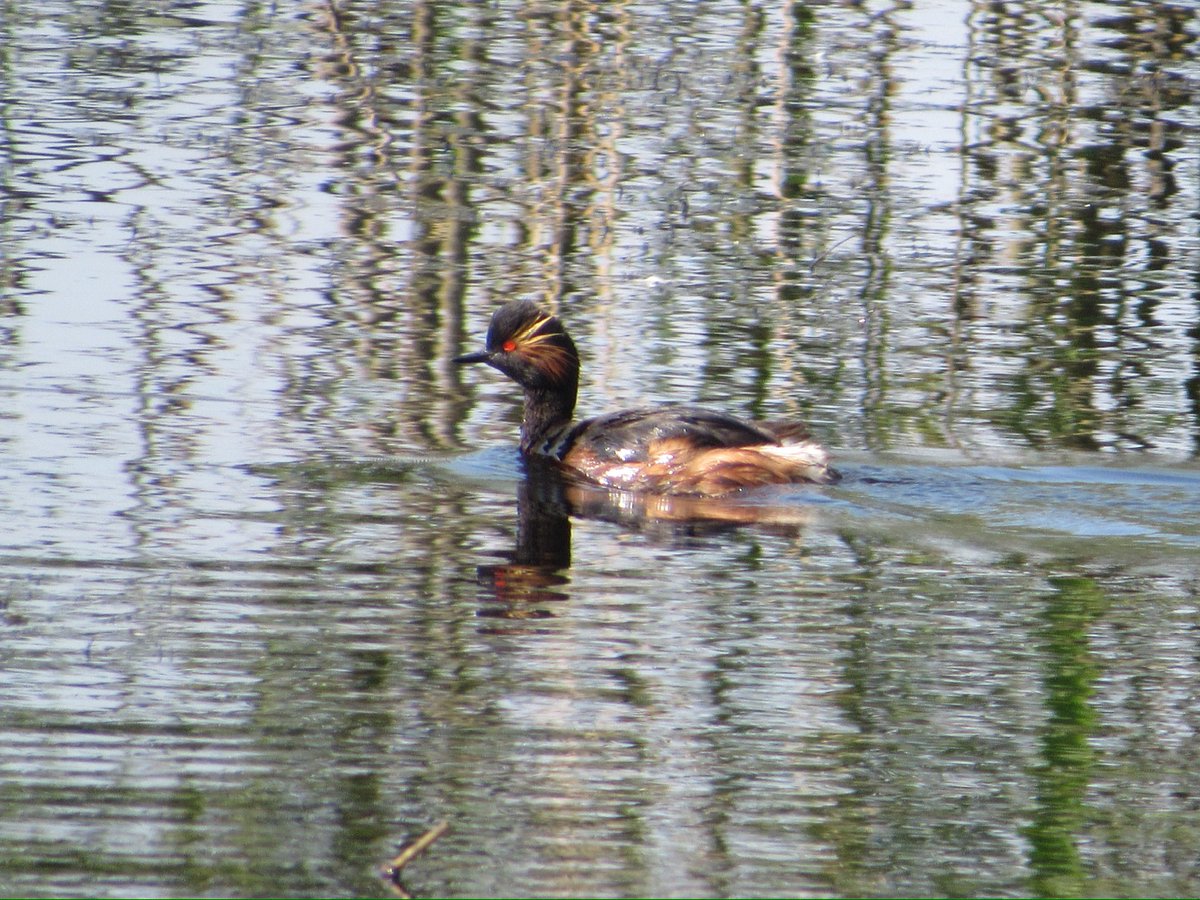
678, 466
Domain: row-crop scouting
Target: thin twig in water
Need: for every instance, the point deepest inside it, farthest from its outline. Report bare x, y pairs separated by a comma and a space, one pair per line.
408, 852
821, 257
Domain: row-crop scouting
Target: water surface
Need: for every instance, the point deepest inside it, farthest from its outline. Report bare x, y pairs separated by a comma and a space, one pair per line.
276, 591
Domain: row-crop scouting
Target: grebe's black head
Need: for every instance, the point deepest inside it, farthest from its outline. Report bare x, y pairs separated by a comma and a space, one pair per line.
532, 348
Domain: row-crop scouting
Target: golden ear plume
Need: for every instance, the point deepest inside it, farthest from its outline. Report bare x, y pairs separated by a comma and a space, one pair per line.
541, 348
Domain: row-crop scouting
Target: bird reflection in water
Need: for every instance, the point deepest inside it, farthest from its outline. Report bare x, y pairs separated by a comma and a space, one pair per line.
534, 579
536, 569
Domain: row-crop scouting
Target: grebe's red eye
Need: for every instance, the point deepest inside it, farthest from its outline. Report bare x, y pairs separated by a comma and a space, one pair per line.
509, 346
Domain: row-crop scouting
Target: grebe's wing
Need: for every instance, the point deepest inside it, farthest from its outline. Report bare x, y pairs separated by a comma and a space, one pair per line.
630, 435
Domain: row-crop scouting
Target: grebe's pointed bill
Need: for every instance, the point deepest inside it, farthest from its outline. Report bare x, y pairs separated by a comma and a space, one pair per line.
481, 356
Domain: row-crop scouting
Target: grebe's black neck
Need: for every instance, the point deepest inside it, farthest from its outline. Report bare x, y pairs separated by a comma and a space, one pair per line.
547, 412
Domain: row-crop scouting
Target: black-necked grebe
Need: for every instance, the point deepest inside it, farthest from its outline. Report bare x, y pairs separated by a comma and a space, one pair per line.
667, 450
